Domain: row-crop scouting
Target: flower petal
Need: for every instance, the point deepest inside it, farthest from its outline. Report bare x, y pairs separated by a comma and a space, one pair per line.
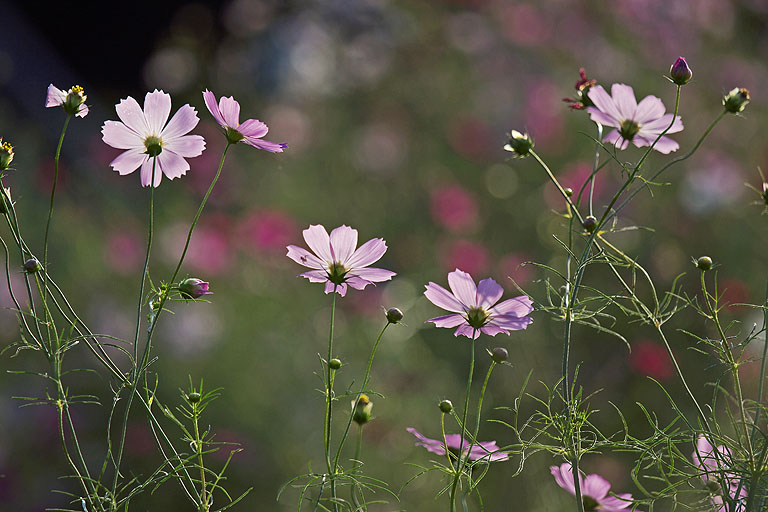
610, 504
659, 125
624, 98
182, 122
358, 283
604, 102
318, 240
564, 477
157, 108
372, 274
304, 257
601, 117
488, 293
188, 146
370, 252
616, 139
468, 331
432, 445
147, 173
442, 298
340, 289
448, 321
120, 136
648, 109
82, 111
230, 111
343, 243
463, 287
510, 322
272, 147
172, 164
54, 96
665, 145
518, 306
595, 486
130, 113
213, 108
316, 276
491, 329
253, 128
128, 161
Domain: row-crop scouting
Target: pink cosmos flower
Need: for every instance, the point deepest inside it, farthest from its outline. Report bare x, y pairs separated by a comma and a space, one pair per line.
711, 460
594, 490
639, 123
335, 261
251, 131
486, 450
473, 307
72, 100
145, 134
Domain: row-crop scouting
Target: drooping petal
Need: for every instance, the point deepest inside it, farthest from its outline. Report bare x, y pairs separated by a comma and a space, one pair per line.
659, 125
487, 450
491, 329
601, 117
595, 486
213, 107
664, 145
54, 96
128, 161
253, 128
610, 503
648, 109
463, 287
120, 136
316, 276
343, 243
182, 122
318, 240
370, 252
172, 164
147, 174
304, 257
157, 108
358, 283
468, 331
272, 147
564, 477
518, 306
455, 442
372, 274
488, 293
604, 102
188, 146
616, 139
341, 289
624, 98
82, 111
454, 320
230, 111
130, 113
510, 322
442, 298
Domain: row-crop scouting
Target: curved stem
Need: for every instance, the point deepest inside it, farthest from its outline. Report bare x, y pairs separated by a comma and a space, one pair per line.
461, 460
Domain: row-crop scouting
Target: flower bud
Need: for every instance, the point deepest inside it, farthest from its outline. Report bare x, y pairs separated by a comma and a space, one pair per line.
32, 265
735, 101
193, 397
519, 143
193, 288
75, 97
446, 406
568, 191
6, 155
499, 354
704, 263
394, 315
362, 414
680, 73
589, 223
334, 364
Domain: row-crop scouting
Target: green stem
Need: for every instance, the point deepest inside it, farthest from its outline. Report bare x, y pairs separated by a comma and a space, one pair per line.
199, 449
473, 440
330, 375
463, 426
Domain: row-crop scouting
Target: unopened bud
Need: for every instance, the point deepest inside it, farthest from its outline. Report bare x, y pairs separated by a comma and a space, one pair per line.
704, 263
519, 143
589, 223
568, 191
446, 406
334, 364
194, 288
193, 397
394, 315
363, 408
499, 354
32, 265
680, 73
735, 101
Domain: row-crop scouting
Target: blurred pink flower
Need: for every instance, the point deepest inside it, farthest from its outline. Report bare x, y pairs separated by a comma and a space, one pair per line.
484, 450
639, 123
574, 177
464, 254
145, 134
123, 251
472, 138
473, 307
267, 230
453, 207
210, 250
544, 117
250, 131
649, 358
512, 266
336, 262
594, 490
714, 462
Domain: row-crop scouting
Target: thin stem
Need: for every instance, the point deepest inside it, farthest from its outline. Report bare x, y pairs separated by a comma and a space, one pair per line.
330, 374
199, 449
595, 161
761, 382
473, 439
463, 425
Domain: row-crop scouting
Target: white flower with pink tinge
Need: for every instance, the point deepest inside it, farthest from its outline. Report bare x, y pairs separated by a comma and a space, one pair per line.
488, 451
336, 262
145, 134
639, 123
250, 131
594, 490
473, 307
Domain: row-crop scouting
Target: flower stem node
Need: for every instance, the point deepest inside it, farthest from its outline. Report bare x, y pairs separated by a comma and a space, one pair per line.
735, 101
499, 354
679, 72
6, 155
394, 315
519, 143
32, 265
446, 406
590, 223
193, 397
704, 263
363, 410
194, 288
334, 364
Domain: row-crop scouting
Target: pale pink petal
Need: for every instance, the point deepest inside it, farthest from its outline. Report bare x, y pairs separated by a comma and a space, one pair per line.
564, 477
609, 503
372, 274
491, 329
431, 445
147, 174
455, 442
510, 322
213, 108
454, 320
665, 145
171, 164
442, 298
358, 283
624, 98
182, 122
595, 486
601, 117
304, 257
120, 136
253, 128
370, 252
188, 146
340, 289
659, 125
230, 111
130, 113
157, 107
343, 243
518, 306
648, 109
463, 287
615, 139
272, 147
55, 96
316, 276
489, 451
82, 110
468, 331
488, 293
604, 102
318, 240
128, 161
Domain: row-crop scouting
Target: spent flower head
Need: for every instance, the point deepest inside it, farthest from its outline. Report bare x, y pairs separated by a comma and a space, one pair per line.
736, 100
144, 134
73, 100
6, 154
336, 262
582, 92
594, 490
520, 144
487, 451
639, 123
474, 307
250, 131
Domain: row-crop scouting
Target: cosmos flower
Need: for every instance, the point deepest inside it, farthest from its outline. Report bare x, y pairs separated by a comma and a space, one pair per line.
639, 123
486, 450
594, 490
335, 261
72, 100
711, 461
473, 307
145, 134
251, 131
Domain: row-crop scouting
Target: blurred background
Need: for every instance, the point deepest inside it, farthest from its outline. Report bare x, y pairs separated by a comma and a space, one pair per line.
395, 115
